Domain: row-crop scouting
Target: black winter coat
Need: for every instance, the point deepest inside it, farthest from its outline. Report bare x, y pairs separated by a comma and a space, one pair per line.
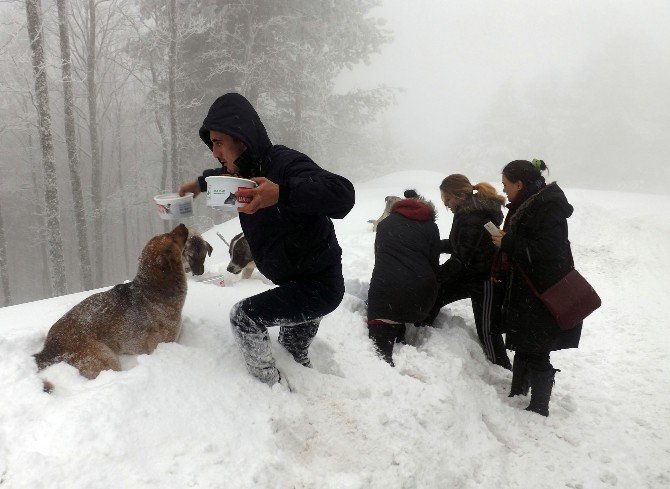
294, 239
403, 287
469, 242
537, 241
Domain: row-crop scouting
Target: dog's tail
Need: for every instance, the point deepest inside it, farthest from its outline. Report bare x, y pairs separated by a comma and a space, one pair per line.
48, 356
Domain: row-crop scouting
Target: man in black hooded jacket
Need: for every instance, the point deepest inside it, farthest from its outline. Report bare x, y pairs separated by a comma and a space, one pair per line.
288, 226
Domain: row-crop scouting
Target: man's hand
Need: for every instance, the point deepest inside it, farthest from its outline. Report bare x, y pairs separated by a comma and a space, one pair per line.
265, 195
497, 239
189, 187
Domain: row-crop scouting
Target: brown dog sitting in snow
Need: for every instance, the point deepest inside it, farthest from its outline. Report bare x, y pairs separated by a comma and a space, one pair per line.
131, 318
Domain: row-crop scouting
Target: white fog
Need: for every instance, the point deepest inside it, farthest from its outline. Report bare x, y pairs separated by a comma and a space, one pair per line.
583, 85
364, 88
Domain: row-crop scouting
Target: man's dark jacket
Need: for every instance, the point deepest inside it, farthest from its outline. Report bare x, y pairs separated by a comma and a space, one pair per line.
294, 239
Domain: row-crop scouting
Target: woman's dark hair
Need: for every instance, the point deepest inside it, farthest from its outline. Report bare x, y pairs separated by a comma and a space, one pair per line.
524, 171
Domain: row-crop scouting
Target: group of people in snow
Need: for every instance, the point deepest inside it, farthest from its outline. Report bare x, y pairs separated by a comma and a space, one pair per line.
494, 270
288, 226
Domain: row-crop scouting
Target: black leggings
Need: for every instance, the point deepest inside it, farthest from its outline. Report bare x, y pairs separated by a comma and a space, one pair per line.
384, 337
484, 307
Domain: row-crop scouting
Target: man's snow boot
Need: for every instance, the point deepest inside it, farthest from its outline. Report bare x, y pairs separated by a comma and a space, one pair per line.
541, 383
520, 381
297, 339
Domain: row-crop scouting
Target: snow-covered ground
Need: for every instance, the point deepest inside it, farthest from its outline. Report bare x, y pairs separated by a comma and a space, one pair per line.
189, 415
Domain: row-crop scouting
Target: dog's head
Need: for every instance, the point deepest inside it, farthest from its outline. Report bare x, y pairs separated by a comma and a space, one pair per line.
162, 255
195, 252
240, 254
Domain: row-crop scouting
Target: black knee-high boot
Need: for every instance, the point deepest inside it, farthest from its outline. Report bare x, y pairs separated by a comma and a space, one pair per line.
384, 336
520, 381
541, 384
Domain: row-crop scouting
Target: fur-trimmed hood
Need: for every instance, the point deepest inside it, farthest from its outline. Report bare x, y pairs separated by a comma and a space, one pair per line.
416, 208
478, 203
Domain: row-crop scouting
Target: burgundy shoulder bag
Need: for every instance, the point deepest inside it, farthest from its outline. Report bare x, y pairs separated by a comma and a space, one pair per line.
570, 300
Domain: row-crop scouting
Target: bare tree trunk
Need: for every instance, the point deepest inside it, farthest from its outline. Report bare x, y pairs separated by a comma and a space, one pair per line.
55, 243
47, 290
124, 204
161, 128
96, 164
4, 273
70, 140
47, 286
172, 94
38, 211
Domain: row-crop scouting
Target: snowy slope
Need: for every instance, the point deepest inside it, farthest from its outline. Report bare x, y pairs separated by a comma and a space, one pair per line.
189, 415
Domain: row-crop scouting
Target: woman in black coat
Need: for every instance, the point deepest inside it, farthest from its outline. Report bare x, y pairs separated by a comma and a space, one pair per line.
404, 283
467, 272
535, 249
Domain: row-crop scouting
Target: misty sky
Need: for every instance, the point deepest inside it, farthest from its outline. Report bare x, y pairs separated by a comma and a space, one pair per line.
453, 58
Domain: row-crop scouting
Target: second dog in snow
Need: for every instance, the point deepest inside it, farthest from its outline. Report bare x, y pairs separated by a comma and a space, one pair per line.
241, 259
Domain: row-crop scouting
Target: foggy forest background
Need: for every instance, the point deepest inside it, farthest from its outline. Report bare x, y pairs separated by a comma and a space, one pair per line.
102, 100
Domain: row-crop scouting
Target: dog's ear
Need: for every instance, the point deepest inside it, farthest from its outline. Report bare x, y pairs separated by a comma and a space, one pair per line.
181, 229
209, 249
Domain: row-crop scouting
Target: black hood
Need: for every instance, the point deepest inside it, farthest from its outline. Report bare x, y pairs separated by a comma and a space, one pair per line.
232, 114
553, 193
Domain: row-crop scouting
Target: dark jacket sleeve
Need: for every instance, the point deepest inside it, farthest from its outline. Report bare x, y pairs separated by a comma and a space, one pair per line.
472, 243
445, 246
469, 250
309, 189
435, 250
450, 269
539, 246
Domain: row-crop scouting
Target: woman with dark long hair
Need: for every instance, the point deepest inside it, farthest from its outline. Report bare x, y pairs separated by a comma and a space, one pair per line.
534, 250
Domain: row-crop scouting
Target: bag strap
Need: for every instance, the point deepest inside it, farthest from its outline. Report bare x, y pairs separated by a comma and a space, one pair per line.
525, 277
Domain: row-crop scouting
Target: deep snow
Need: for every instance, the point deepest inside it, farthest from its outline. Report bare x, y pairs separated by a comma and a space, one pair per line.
189, 415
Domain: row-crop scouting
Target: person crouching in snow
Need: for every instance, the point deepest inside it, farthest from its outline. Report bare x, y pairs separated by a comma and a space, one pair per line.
404, 279
466, 274
289, 229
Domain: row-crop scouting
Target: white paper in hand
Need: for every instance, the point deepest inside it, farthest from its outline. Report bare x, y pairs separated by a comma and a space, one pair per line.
492, 229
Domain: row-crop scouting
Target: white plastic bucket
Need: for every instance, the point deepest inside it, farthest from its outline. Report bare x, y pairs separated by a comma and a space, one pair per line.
222, 191
171, 206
